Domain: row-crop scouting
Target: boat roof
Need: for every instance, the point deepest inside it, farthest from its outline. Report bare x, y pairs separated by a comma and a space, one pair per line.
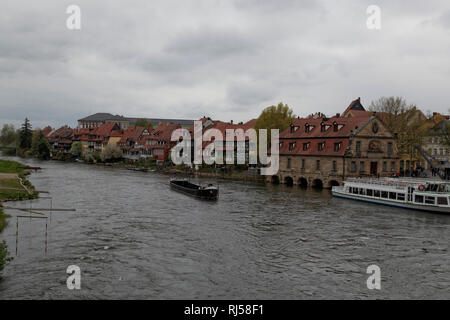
403, 181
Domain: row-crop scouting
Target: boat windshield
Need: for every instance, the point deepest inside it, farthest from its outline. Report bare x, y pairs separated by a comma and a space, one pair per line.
439, 187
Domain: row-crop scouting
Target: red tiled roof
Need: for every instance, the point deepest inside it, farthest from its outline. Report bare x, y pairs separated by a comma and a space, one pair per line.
346, 127
47, 130
109, 130
355, 105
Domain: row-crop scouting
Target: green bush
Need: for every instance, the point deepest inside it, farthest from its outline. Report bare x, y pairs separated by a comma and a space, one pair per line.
4, 253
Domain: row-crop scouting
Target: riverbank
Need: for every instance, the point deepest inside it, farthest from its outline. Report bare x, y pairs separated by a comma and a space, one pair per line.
233, 175
13, 186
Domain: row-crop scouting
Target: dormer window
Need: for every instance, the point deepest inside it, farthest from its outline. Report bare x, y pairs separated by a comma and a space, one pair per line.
321, 145
335, 127
306, 146
337, 146
291, 146
294, 128
306, 128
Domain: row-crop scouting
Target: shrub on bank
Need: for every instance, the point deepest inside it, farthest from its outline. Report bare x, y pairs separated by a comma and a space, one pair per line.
4, 256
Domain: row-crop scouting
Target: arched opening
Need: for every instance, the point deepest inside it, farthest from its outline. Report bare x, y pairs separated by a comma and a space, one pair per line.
289, 181
275, 180
333, 183
317, 183
303, 183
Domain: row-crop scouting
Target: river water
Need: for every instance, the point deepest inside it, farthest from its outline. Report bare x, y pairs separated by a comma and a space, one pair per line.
134, 238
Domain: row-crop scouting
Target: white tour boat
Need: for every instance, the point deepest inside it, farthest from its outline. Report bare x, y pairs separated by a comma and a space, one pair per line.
417, 194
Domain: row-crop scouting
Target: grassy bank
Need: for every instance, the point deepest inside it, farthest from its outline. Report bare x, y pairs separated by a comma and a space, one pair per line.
11, 175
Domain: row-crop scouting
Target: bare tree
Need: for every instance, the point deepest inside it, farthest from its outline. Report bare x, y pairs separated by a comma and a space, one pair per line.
401, 118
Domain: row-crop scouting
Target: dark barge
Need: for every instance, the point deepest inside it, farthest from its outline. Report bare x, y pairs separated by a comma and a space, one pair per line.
208, 192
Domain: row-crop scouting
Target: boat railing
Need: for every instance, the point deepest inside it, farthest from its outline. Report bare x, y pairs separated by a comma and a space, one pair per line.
393, 184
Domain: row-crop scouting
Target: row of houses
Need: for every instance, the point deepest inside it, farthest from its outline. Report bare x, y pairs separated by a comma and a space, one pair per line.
134, 141
316, 150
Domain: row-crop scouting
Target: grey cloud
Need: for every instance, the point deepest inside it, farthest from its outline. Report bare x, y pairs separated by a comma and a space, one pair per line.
227, 59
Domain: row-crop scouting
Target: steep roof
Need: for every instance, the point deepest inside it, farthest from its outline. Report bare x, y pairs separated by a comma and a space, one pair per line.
155, 121
133, 134
103, 116
355, 109
345, 126
109, 130
163, 131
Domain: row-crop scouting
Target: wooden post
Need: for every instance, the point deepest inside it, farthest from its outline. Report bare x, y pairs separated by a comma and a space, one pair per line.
46, 241
17, 234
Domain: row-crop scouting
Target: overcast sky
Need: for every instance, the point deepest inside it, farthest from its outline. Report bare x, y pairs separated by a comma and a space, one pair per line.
227, 59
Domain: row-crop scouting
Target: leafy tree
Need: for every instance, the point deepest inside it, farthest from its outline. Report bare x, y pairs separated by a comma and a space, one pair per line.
143, 123
274, 117
25, 137
76, 148
39, 145
110, 153
8, 135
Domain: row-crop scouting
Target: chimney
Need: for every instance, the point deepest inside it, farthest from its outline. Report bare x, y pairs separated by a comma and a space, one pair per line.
231, 121
338, 115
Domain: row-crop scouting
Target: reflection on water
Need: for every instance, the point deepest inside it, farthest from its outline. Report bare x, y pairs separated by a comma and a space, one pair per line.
133, 237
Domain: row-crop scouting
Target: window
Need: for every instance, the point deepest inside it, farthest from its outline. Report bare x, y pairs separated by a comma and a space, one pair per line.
334, 165
289, 163
361, 166
361, 191
318, 164
353, 166
429, 200
418, 199
392, 195
384, 194
376, 193
321, 146
384, 166
305, 146
323, 128
393, 166
442, 201
389, 149
401, 165
292, 129
306, 128
303, 163
358, 146
337, 146
335, 127
291, 146
370, 192
401, 197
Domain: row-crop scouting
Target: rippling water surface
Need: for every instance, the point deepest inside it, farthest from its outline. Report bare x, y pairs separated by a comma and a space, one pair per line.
134, 238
